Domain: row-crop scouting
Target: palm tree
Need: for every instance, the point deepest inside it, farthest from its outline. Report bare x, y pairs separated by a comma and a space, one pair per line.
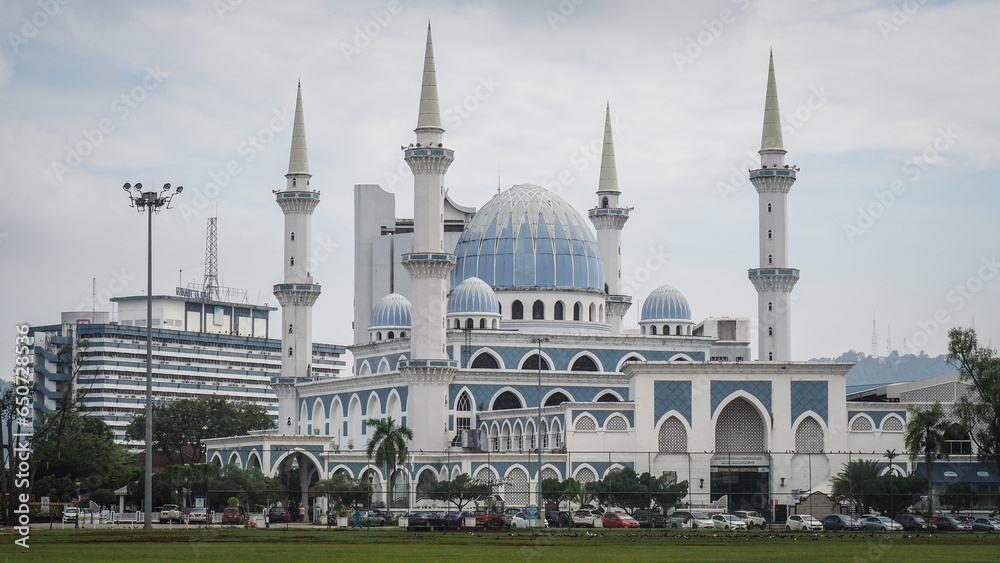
857, 482
925, 432
387, 445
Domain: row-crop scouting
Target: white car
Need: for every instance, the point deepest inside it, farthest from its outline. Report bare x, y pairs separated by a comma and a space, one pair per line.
200, 515
584, 518
693, 520
728, 522
522, 520
70, 514
753, 519
803, 522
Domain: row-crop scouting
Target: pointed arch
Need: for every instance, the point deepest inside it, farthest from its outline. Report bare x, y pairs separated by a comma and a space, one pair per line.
673, 436
556, 397
530, 361
394, 406
365, 369
809, 436
486, 359
234, 459
633, 357
383, 366
518, 436
374, 408
739, 426
585, 361
585, 423
616, 423
505, 399
862, 423
516, 490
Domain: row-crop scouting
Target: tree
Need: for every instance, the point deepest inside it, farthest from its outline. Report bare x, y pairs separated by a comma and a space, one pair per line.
958, 496
925, 436
346, 489
579, 493
855, 483
623, 489
554, 490
250, 487
979, 411
183, 425
387, 445
460, 491
663, 490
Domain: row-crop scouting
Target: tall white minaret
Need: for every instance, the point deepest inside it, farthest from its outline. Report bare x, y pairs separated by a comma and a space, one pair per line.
297, 293
428, 371
773, 280
609, 219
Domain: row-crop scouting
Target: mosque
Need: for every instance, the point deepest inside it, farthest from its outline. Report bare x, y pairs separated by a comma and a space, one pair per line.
498, 336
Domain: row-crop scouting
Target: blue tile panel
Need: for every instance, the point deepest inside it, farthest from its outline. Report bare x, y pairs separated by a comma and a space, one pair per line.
483, 394
810, 396
363, 394
602, 416
561, 357
671, 395
761, 390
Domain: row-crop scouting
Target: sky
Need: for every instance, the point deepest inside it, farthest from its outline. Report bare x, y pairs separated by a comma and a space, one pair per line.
888, 108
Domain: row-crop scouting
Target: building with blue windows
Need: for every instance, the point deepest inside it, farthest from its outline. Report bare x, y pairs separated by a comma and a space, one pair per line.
497, 335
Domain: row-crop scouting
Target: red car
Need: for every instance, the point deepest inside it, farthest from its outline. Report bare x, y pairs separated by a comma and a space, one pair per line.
487, 520
232, 515
619, 520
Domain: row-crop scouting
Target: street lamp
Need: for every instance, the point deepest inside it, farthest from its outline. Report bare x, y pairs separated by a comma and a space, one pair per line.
150, 202
538, 426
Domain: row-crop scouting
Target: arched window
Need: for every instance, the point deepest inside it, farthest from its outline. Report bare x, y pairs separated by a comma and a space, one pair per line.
770, 306
485, 361
557, 312
289, 329
291, 261
293, 182
458, 323
769, 208
673, 436
556, 399
666, 330
770, 356
770, 331
531, 363
293, 236
584, 363
538, 310
769, 234
577, 309
402, 334
585, 423
391, 335
680, 330
468, 324
809, 436
770, 259
608, 398
616, 424
593, 310
652, 329
739, 429
378, 335
604, 202
516, 310
861, 424
463, 404
289, 351
507, 400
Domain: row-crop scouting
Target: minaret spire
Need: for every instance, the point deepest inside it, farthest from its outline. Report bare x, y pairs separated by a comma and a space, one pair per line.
298, 160
609, 173
773, 279
430, 112
771, 138
609, 219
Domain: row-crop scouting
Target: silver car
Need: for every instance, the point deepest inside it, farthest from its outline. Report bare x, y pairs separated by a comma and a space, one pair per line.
803, 522
199, 515
728, 522
881, 524
693, 520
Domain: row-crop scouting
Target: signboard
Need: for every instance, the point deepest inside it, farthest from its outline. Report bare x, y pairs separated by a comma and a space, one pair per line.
199, 502
737, 460
45, 505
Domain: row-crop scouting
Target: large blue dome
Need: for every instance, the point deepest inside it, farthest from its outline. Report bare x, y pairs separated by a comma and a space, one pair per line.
529, 237
473, 296
665, 303
391, 311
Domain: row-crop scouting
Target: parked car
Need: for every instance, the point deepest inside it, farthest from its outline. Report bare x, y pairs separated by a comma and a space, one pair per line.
509, 514
728, 522
618, 520
881, 523
487, 519
912, 522
432, 519
199, 516
171, 513
584, 518
752, 518
521, 519
558, 518
650, 519
233, 515
842, 522
278, 514
372, 518
951, 524
70, 514
454, 519
803, 522
986, 525
693, 520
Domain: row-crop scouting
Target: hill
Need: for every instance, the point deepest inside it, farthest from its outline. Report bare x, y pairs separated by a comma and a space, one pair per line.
895, 368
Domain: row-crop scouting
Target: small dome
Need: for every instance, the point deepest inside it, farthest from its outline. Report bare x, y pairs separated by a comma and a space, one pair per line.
473, 296
665, 303
393, 310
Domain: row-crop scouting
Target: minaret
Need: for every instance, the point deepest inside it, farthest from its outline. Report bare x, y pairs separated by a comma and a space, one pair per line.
773, 280
428, 370
297, 293
609, 219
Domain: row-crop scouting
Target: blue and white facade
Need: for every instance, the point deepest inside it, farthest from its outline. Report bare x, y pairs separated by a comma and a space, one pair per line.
508, 338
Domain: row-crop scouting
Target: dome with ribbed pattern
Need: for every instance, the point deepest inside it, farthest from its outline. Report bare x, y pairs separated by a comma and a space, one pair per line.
473, 296
665, 303
528, 237
392, 311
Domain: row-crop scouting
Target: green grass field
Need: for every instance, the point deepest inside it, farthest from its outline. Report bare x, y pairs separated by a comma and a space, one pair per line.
298, 544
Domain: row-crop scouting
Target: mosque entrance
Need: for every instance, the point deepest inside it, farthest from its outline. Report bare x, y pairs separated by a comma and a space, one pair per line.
744, 479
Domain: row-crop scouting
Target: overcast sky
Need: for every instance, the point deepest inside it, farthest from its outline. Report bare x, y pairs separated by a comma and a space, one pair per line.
889, 110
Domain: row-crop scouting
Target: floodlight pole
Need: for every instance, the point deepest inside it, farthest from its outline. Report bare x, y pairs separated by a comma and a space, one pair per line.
538, 425
149, 202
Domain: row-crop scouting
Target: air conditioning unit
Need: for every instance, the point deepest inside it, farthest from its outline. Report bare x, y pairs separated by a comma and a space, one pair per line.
350, 445
315, 431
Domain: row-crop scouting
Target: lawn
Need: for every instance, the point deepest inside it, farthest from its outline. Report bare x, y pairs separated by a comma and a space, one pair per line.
298, 544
